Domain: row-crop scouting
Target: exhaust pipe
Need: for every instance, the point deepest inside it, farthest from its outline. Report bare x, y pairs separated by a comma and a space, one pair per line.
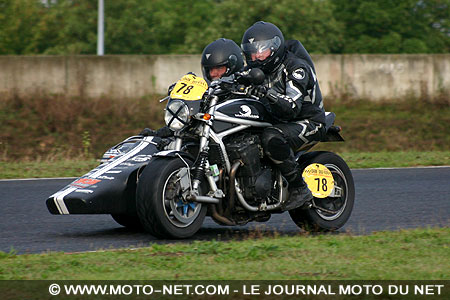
232, 188
203, 199
221, 219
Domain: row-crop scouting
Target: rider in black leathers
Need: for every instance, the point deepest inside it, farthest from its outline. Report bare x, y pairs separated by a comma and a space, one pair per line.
220, 58
292, 89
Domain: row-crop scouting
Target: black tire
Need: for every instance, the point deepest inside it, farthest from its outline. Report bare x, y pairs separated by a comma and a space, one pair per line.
158, 215
128, 221
314, 219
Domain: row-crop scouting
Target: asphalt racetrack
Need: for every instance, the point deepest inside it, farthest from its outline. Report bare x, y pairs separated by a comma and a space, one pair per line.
386, 199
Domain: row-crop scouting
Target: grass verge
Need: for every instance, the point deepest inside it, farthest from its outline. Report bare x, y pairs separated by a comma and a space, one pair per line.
46, 169
78, 167
399, 255
396, 159
48, 125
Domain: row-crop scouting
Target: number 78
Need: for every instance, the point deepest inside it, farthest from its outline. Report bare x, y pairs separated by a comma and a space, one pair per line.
187, 90
324, 184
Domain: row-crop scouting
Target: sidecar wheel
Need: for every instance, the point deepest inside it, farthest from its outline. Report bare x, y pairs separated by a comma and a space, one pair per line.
128, 221
160, 205
315, 219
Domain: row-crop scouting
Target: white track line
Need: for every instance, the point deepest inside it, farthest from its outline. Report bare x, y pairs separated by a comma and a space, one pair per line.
403, 168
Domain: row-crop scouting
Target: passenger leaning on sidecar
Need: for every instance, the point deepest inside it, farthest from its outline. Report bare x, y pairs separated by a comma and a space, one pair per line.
220, 58
292, 89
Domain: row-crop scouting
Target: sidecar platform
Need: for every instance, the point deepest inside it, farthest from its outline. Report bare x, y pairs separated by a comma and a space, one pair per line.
110, 188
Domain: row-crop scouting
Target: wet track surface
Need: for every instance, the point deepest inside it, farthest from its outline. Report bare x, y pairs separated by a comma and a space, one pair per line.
386, 199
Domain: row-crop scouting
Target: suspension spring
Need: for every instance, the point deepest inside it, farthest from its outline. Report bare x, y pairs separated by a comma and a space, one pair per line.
200, 167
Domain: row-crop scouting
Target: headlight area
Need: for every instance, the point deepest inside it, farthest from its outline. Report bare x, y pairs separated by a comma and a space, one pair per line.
176, 115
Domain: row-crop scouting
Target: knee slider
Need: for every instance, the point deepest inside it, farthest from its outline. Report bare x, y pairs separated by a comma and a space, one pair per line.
275, 145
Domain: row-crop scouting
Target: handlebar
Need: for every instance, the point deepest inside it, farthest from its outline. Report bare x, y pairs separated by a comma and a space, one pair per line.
239, 82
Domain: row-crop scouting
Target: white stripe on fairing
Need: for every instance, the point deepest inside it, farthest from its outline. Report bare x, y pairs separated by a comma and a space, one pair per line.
57, 206
122, 158
57, 193
59, 201
59, 196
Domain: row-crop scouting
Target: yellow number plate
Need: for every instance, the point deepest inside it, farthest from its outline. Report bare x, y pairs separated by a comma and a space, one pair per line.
189, 87
319, 180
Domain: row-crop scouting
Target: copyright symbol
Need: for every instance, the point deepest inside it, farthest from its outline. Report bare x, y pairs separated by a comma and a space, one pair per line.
54, 289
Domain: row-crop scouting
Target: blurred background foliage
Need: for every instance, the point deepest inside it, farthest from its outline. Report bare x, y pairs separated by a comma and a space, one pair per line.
67, 27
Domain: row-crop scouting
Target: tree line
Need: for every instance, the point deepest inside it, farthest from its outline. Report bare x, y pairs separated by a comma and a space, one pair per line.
67, 27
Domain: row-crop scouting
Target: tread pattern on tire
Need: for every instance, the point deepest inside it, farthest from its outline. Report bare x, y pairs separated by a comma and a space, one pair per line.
150, 211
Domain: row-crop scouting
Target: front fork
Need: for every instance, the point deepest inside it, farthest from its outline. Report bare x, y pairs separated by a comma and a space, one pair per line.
202, 169
202, 166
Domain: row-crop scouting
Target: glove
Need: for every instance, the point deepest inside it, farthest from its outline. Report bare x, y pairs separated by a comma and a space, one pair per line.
147, 132
272, 96
164, 132
263, 92
259, 91
169, 90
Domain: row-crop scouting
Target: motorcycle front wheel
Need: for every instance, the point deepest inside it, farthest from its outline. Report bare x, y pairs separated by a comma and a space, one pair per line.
330, 213
160, 203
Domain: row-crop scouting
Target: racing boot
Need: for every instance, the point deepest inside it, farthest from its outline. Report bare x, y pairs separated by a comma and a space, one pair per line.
299, 193
298, 196
278, 150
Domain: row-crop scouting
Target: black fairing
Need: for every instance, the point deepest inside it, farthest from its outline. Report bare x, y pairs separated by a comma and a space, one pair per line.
109, 188
246, 109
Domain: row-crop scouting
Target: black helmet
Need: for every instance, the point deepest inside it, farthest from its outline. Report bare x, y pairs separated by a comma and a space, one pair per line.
222, 52
260, 37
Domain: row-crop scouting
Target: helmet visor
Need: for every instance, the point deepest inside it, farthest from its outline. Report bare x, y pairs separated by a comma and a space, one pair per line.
257, 49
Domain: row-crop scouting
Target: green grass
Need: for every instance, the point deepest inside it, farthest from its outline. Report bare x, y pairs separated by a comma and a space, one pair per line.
46, 169
80, 166
399, 255
396, 159
402, 125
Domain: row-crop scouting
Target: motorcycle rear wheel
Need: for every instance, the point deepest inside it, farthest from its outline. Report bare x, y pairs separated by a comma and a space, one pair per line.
317, 220
160, 206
